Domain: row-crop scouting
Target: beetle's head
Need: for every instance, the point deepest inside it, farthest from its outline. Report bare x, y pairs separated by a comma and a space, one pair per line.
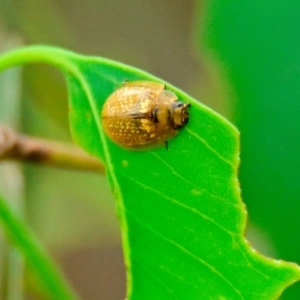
179, 114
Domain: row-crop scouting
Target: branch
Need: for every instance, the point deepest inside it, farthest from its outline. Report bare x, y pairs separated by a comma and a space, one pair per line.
14, 146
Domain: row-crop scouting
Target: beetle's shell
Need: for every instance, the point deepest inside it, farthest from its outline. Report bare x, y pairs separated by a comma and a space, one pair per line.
129, 118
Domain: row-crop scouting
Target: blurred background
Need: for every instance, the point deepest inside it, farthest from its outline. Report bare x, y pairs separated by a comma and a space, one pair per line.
240, 59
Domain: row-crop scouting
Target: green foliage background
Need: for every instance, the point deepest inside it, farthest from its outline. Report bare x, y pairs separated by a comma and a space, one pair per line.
255, 44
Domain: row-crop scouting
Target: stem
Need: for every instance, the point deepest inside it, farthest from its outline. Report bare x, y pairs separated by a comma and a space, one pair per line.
19, 147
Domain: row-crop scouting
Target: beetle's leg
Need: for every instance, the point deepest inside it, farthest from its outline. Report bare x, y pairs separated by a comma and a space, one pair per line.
166, 143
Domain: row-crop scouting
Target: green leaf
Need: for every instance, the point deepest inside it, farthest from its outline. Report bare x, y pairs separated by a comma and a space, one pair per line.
49, 277
180, 211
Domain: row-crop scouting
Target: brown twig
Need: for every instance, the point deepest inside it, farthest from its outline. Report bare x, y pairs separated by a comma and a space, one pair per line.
14, 146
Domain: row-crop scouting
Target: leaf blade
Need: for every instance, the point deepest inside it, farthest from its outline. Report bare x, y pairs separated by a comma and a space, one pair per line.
180, 210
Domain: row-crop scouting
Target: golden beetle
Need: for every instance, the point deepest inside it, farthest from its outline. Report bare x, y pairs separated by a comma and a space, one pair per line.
143, 114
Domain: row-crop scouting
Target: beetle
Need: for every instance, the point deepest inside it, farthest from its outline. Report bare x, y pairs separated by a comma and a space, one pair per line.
143, 115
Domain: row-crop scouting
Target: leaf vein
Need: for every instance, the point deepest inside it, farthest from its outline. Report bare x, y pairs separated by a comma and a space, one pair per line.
195, 257
210, 148
184, 206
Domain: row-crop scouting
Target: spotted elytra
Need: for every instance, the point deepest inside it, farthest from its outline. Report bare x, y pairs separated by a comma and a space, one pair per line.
143, 115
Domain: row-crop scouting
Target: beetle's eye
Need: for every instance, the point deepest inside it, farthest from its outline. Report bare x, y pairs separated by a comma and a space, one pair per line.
178, 104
